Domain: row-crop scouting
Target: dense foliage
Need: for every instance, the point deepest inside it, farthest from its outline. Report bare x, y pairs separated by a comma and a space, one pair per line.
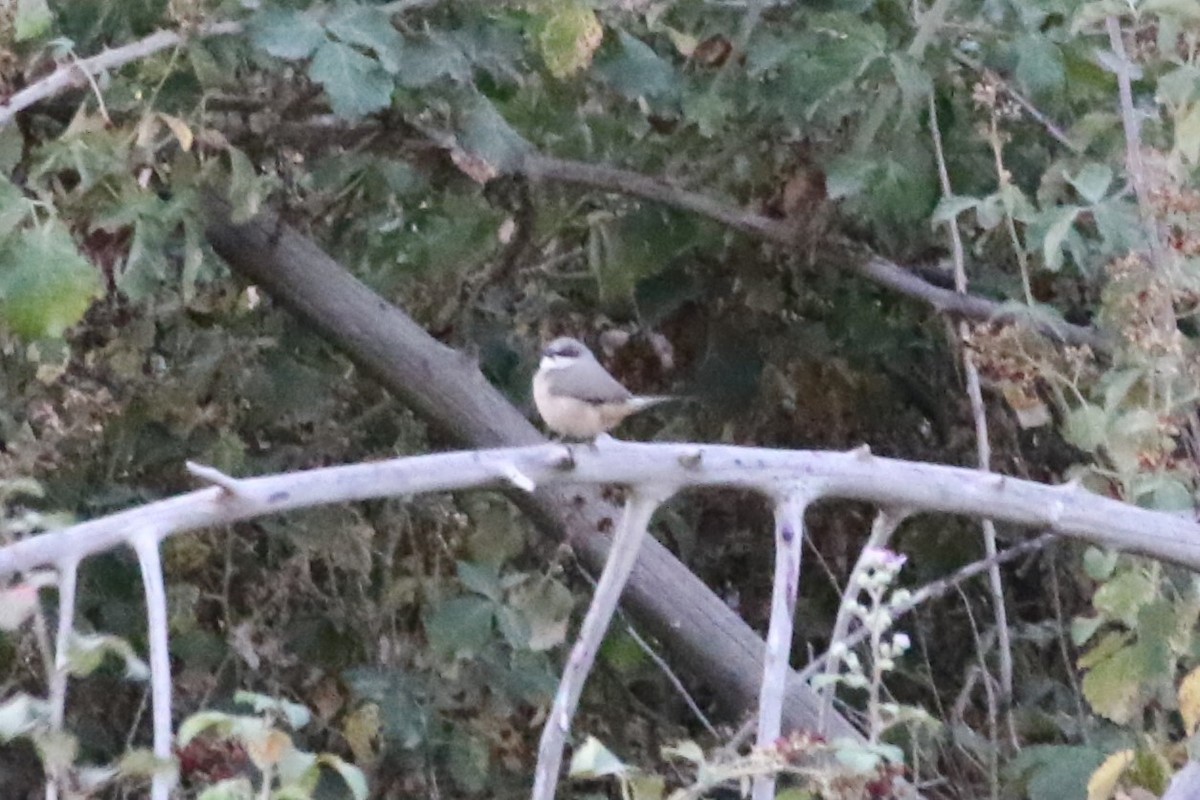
425, 636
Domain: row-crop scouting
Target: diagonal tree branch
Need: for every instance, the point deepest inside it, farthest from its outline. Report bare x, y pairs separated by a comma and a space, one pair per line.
81, 70
873, 267
77, 71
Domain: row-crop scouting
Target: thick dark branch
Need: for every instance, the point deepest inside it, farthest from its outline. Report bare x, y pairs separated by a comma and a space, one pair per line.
449, 391
874, 268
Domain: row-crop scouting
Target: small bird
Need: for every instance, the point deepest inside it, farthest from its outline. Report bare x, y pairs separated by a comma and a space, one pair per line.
577, 397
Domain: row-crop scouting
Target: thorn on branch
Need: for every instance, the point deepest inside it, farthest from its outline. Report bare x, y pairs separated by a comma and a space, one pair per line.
517, 478
1070, 486
862, 452
691, 460
229, 486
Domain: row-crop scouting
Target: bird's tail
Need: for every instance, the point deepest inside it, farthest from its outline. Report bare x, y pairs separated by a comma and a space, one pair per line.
645, 401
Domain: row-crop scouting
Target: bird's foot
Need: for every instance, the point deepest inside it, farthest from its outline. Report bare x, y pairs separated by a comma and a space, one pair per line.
566, 460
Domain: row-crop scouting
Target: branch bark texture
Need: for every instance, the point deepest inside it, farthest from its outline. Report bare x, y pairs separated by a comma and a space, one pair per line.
1067, 510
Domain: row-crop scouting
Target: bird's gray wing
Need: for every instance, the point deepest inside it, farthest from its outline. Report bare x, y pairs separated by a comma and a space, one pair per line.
589, 382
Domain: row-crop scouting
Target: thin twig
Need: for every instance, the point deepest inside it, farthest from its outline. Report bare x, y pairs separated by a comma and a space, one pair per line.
1123, 69
1051, 127
68, 75
983, 447
632, 529
933, 591
1064, 651
91, 79
145, 544
789, 544
662, 665
989, 691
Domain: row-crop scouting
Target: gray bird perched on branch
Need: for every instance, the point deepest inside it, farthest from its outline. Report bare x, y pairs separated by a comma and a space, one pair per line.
577, 397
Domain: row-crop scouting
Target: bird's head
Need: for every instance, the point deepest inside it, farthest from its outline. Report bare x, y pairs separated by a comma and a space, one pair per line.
564, 352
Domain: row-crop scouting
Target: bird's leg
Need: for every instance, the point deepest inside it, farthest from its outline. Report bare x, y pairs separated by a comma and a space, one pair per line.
601, 438
568, 460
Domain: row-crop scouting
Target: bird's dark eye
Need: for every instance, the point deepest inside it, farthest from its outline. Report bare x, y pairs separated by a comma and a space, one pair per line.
563, 351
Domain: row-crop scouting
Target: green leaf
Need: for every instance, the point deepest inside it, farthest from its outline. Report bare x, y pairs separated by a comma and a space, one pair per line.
1057, 772
1179, 86
569, 37
635, 70
648, 787
286, 33
22, 713
948, 208
356, 85
637, 246
1117, 385
396, 693
15, 208
1084, 628
461, 626
1056, 234
862, 757
351, 775
33, 19
1185, 10
848, 176
485, 134
708, 111
1123, 597
546, 607
1092, 182
12, 145
232, 789
1187, 133
296, 715
990, 211
1166, 493
203, 721
468, 760
513, 627
87, 653
1039, 64
482, 579
594, 760
1099, 564
45, 284
914, 82
686, 749
247, 189
1113, 686
420, 63
1086, 427
371, 28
